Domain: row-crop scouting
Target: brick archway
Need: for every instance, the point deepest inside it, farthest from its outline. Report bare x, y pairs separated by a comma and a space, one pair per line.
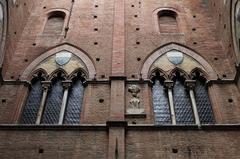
156, 54
80, 54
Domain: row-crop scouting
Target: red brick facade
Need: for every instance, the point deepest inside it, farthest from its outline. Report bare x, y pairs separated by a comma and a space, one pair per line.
118, 42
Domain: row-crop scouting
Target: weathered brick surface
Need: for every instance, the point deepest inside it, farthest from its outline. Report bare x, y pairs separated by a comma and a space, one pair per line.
205, 28
62, 144
190, 144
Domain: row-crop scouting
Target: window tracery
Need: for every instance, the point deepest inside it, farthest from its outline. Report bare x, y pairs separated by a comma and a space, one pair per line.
181, 99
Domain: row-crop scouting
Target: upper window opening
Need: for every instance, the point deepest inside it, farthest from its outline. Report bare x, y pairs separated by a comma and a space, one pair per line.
168, 21
55, 23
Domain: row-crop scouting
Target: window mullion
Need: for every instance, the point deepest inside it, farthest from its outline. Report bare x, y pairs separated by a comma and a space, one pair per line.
46, 85
169, 85
66, 86
191, 86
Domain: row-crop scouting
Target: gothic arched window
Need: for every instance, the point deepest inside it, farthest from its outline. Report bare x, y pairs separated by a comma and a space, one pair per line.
55, 23
33, 101
202, 100
160, 101
167, 20
182, 101
3, 28
54, 101
75, 100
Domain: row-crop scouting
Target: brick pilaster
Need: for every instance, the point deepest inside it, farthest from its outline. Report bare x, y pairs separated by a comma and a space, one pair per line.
117, 107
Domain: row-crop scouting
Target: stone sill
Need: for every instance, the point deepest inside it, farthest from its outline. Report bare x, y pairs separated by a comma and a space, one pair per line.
135, 127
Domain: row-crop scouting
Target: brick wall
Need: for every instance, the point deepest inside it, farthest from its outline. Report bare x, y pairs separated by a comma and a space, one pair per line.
182, 144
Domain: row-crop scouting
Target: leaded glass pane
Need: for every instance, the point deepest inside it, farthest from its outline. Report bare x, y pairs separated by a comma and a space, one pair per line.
203, 104
160, 104
74, 105
32, 104
53, 104
182, 103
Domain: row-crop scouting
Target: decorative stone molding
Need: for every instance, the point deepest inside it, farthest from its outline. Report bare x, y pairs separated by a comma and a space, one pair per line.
168, 84
146, 72
86, 61
191, 84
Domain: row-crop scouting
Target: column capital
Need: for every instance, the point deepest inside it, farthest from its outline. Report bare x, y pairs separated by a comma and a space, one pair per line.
168, 84
191, 84
66, 84
46, 84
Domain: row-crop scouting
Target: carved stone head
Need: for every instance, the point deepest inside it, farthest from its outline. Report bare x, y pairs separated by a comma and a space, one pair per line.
134, 89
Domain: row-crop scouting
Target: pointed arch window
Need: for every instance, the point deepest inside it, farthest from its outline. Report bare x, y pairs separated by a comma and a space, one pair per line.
182, 102
53, 103
33, 101
75, 100
160, 101
202, 100
3, 28
55, 23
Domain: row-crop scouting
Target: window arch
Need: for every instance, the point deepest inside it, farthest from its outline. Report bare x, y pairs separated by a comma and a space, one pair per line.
160, 100
75, 100
55, 23
30, 111
202, 99
57, 100
167, 21
54, 100
236, 27
3, 28
182, 101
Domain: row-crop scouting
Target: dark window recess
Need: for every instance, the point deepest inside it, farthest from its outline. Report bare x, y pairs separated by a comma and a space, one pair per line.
54, 23
168, 21
32, 104
182, 103
53, 103
74, 105
203, 104
160, 103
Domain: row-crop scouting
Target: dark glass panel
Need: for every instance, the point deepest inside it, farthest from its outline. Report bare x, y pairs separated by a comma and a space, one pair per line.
160, 104
74, 105
32, 104
182, 103
203, 104
53, 104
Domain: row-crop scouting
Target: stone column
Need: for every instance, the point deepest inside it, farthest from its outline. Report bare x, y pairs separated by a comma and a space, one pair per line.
66, 86
191, 86
169, 86
46, 85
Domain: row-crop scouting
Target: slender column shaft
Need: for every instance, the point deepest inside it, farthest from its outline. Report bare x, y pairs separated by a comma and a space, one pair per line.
194, 106
171, 104
66, 85
46, 85
169, 85
191, 85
